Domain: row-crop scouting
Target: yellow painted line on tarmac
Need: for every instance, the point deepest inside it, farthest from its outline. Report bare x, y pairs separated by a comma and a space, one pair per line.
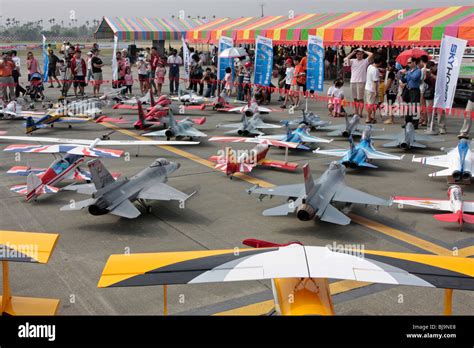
263, 307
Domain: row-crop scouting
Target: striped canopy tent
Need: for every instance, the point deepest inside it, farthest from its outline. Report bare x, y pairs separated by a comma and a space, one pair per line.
145, 28
423, 27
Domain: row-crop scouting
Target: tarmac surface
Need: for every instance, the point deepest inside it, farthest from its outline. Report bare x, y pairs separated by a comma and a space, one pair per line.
219, 216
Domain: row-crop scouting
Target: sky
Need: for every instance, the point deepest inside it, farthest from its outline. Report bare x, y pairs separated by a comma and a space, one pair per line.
82, 10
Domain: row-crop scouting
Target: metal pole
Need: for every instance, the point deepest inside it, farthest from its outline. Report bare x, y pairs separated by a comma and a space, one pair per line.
165, 299
448, 301
6, 295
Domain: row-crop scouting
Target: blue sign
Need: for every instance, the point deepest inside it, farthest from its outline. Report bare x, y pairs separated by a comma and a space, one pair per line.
223, 63
263, 61
315, 64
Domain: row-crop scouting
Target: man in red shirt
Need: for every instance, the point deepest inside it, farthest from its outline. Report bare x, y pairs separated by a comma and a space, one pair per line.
6, 78
78, 69
154, 59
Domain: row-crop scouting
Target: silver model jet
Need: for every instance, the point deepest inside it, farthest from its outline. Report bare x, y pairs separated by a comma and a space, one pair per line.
248, 126
185, 128
313, 198
408, 138
116, 196
309, 119
352, 127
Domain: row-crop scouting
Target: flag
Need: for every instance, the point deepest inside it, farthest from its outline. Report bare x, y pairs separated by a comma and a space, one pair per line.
186, 59
223, 63
450, 60
315, 64
114, 60
263, 61
46, 60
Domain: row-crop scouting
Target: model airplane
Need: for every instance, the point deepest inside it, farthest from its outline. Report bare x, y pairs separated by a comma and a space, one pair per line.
50, 120
230, 162
43, 180
82, 147
361, 154
455, 204
300, 274
248, 127
132, 102
408, 138
251, 109
220, 103
181, 129
458, 162
110, 196
299, 136
314, 198
309, 119
352, 127
81, 109
190, 97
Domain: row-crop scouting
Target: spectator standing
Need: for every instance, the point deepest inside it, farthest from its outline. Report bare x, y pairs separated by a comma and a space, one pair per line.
424, 59
289, 74
16, 74
228, 81
300, 79
160, 74
128, 80
79, 70
391, 90
154, 60
466, 127
52, 65
31, 64
359, 67
96, 65
372, 88
174, 61
6, 78
143, 73
412, 78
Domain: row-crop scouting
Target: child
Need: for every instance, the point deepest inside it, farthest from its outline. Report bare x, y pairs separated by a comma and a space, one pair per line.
336, 97
228, 81
160, 76
128, 79
210, 79
143, 71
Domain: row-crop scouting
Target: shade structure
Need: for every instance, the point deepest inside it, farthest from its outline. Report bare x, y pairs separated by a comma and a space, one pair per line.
373, 28
145, 28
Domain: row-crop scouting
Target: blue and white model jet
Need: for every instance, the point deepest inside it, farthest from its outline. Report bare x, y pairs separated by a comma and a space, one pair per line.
458, 162
300, 136
361, 154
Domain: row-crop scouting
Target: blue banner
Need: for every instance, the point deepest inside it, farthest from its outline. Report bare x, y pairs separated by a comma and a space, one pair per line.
315, 64
46, 61
223, 63
263, 61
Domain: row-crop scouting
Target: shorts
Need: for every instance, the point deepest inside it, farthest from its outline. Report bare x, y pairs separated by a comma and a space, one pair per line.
302, 85
98, 78
51, 71
391, 98
160, 80
142, 77
358, 89
287, 86
370, 97
79, 81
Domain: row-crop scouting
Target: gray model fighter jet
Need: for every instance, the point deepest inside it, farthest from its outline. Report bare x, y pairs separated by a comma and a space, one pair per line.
116, 196
183, 129
248, 126
408, 138
313, 198
352, 127
309, 119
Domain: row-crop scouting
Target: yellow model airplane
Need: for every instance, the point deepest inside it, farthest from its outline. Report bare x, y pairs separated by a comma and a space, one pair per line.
25, 247
299, 273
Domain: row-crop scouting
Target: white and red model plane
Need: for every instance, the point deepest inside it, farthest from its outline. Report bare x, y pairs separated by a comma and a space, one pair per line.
455, 204
231, 162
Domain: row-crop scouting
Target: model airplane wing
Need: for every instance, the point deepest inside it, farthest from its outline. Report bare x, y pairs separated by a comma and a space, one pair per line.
193, 132
292, 261
27, 246
350, 195
68, 119
436, 204
84, 189
162, 192
427, 138
393, 136
204, 266
48, 140
305, 138
25, 171
260, 124
334, 152
371, 153
70, 149
294, 190
126, 209
438, 161
229, 125
259, 140
335, 216
145, 142
280, 137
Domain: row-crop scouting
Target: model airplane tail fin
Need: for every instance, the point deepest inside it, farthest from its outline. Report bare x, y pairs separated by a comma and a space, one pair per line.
172, 120
308, 178
101, 177
30, 125
451, 217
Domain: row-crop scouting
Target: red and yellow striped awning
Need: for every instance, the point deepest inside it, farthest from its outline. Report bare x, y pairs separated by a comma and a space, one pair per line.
385, 27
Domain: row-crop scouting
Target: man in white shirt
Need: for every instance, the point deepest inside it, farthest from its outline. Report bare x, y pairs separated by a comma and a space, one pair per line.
371, 88
174, 61
358, 75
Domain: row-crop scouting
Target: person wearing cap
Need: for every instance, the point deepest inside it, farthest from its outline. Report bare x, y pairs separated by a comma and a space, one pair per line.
52, 64
359, 67
79, 70
96, 66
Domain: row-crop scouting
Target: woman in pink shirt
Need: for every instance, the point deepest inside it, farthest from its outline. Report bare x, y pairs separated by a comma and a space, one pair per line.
31, 64
160, 74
